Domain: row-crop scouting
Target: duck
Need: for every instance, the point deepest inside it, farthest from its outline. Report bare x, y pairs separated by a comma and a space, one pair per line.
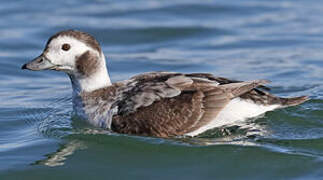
159, 104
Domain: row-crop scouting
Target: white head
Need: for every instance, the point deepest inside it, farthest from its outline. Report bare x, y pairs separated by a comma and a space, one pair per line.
79, 55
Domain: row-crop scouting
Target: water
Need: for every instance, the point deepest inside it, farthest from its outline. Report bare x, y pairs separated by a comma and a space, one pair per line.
277, 40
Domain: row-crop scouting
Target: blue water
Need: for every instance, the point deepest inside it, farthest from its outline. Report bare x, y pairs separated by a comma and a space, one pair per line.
277, 40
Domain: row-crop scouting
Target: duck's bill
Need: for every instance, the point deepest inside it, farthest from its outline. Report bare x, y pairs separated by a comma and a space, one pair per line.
39, 63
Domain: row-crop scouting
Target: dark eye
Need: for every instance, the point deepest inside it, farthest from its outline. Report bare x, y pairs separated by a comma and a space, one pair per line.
66, 47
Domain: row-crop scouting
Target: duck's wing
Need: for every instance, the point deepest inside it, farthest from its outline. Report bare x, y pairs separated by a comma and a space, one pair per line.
170, 104
258, 95
223, 80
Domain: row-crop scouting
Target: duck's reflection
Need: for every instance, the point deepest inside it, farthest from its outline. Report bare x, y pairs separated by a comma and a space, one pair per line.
237, 134
58, 158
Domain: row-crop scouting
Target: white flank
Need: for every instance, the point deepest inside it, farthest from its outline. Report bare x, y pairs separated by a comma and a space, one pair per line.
237, 110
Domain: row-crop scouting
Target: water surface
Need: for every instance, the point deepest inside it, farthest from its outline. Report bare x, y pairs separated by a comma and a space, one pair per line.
277, 40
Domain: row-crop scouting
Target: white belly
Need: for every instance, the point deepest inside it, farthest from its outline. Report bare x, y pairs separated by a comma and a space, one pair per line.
237, 110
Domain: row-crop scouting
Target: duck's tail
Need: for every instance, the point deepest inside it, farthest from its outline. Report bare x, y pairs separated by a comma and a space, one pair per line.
267, 99
293, 101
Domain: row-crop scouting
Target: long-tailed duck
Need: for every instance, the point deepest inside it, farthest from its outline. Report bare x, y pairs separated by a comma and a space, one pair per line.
162, 104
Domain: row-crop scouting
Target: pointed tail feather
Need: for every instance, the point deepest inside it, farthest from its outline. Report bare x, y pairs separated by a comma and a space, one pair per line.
294, 101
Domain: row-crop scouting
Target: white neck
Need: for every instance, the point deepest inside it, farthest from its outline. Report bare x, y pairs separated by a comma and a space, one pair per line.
95, 81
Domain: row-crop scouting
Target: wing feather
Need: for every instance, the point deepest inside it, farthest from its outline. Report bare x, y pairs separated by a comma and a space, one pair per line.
171, 104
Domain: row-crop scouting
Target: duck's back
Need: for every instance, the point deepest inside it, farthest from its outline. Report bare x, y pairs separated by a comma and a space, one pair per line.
168, 104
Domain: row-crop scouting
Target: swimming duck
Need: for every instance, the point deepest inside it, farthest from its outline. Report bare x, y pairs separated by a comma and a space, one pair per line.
161, 104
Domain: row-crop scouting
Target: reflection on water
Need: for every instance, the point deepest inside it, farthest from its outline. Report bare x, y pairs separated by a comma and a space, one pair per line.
58, 158
243, 133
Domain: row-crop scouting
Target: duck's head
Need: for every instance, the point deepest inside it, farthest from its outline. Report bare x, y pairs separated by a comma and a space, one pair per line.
76, 53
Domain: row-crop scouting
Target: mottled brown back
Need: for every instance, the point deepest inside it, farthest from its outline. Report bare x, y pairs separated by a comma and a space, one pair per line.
167, 104
163, 112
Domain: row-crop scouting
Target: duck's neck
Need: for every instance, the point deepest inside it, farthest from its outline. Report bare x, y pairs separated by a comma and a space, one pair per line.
99, 79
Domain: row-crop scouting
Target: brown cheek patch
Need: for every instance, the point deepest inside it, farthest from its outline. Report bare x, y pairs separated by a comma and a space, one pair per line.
87, 63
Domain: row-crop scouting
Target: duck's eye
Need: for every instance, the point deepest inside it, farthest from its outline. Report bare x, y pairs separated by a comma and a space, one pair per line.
66, 47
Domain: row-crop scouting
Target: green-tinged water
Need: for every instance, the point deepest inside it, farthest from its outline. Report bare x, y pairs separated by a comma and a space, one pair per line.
277, 40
